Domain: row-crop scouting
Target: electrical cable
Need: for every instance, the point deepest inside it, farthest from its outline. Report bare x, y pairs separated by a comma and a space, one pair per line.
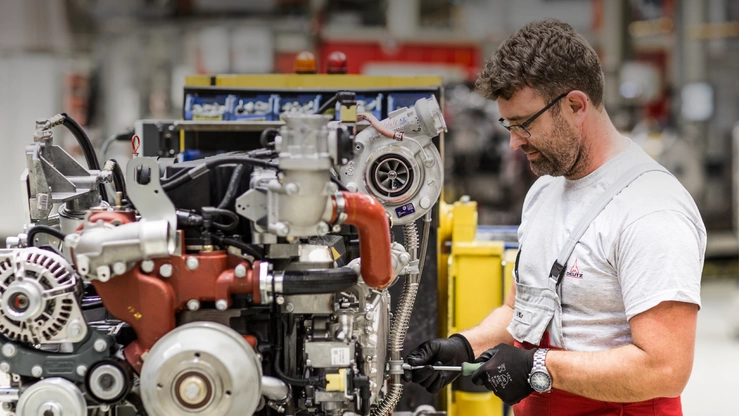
119, 180
43, 229
233, 186
201, 169
249, 249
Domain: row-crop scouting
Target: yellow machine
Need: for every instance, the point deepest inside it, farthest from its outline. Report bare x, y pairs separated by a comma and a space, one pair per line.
474, 277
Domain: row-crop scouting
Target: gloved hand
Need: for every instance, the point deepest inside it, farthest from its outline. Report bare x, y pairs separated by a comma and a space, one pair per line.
506, 372
454, 350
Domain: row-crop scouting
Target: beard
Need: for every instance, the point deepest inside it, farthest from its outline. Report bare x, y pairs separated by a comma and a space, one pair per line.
560, 154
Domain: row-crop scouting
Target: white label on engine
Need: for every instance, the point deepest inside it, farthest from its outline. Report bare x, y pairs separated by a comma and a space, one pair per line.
340, 357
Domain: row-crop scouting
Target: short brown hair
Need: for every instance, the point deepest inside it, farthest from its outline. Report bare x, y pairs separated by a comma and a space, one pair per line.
547, 56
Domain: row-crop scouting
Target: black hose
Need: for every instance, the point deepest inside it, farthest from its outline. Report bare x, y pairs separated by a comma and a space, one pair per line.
118, 179
233, 186
210, 213
266, 139
249, 249
308, 282
338, 183
84, 141
300, 382
43, 229
178, 181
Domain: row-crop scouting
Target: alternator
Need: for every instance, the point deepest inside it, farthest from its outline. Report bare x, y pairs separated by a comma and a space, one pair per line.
39, 292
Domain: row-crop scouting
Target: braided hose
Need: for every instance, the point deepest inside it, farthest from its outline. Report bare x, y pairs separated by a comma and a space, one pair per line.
401, 322
390, 401
410, 238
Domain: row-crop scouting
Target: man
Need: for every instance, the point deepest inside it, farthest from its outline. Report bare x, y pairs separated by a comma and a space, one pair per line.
609, 327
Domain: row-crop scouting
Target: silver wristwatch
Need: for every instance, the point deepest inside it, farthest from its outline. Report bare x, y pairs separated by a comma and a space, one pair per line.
539, 379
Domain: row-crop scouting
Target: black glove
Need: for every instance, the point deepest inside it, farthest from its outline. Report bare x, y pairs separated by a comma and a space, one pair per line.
454, 350
506, 372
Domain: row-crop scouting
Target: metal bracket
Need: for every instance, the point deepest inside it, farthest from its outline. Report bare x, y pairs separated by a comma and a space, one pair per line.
150, 199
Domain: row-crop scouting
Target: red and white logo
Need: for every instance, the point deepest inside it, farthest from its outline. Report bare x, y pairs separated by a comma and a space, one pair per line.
574, 271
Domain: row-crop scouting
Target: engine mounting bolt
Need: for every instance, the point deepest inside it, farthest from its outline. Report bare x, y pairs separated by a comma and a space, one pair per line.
4, 367
192, 263
37, 371
165, 270
289, 307
280, 300
9, 350
322, 228
75, 329
147, 266
222, 305
292, 188
100, 345
81, 370
119, 268
240, 271
193, 304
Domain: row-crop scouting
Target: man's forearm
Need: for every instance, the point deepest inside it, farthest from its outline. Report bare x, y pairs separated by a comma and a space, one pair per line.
624, 374
491, 331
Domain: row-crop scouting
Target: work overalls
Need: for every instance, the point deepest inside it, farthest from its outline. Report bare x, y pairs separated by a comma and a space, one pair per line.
538, 307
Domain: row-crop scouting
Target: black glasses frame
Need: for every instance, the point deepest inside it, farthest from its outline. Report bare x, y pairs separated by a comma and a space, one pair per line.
518, 128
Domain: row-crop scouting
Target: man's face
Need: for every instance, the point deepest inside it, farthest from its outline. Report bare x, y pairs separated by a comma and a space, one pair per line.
554, 148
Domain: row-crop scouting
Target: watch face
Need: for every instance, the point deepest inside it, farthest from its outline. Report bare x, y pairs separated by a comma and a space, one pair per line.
540, 381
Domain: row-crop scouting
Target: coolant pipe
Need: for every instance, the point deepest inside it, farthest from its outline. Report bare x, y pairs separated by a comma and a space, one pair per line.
368, 215
308, 282
274, 389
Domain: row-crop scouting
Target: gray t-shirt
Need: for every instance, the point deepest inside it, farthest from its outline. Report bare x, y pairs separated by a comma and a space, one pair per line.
646, 247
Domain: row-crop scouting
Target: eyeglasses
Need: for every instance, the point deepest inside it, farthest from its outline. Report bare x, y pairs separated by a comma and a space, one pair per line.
520, 129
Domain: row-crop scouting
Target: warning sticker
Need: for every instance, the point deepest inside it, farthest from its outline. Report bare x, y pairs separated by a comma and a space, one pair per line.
340, 357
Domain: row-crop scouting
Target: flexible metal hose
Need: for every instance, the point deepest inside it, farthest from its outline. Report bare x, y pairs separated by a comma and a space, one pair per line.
402, 318
387, 406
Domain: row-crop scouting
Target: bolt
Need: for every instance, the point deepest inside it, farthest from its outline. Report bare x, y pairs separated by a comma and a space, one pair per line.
4, 367
336, 228
165, 270
465, 199
9, 350
192, 263
289, 307
280, 300
404, 258
368, 316
281, 229
352, 187
147, 266
322, 228
37, 371
425, 202
119, 268
193, 304
75, 329
240, 271
222, 305
144, 355
81, 370
100, 345
292, 188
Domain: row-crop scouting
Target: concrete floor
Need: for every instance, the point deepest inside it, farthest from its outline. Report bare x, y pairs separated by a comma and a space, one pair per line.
714, 384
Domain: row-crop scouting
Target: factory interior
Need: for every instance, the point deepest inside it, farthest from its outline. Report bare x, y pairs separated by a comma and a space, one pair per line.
263, 207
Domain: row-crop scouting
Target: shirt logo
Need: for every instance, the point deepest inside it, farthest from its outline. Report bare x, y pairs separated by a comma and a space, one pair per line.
574, 271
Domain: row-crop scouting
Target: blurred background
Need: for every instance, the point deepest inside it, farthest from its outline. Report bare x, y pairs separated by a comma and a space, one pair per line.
671, 84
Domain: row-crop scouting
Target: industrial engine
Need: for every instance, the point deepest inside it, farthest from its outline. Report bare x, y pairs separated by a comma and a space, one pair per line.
246, 283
